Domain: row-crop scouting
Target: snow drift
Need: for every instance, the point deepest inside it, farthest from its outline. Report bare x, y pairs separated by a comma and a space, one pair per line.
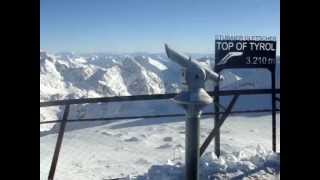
248, 163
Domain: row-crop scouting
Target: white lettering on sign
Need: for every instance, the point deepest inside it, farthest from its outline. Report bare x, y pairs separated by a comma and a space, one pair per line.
245, 38
261, 46
259, 60
241, 46
226, 46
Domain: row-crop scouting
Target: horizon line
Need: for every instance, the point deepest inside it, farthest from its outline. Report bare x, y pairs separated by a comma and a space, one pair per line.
120, 53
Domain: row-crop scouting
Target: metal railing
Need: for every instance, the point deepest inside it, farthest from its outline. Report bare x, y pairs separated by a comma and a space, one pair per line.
69, 102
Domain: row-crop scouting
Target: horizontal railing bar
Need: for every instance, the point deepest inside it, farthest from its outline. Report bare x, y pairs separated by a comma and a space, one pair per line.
107, 99
150, 97
153, 116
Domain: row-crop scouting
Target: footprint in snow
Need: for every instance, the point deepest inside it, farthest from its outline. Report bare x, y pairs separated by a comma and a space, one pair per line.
164, 146
167, 139
102, 162
225, 131
253, 130
142, 161
132, 139
77, 164
179, 146
121, 149
143, 136
106, 133
118, 135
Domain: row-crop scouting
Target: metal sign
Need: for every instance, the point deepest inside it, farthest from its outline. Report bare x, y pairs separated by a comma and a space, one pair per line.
245, 51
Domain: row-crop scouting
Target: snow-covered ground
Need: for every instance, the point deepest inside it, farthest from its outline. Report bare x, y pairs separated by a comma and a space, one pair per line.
154, 149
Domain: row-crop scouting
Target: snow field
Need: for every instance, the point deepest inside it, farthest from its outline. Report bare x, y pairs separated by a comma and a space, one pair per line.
156, 151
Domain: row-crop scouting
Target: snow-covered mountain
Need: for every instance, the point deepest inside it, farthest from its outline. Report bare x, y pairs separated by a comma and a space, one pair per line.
68, 76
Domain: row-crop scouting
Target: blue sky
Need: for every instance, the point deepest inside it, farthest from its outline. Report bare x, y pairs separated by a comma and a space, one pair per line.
85, 26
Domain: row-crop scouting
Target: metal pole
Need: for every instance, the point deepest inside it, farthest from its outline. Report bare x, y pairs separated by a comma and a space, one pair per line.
216, 121
58, 144
192, 143
274, 128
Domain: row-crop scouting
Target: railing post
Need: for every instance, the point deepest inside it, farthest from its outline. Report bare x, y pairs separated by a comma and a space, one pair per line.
59, 142
274, 125
217, 114
216, 122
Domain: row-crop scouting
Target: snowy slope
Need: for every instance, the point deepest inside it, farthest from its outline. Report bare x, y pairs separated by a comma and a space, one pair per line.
66, 76
157, 64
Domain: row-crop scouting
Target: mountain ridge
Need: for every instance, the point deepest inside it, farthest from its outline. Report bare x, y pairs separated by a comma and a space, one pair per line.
69, 76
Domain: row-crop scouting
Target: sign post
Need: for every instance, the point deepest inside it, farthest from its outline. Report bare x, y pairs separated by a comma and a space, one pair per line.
274, 129
245, 52
217, 121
